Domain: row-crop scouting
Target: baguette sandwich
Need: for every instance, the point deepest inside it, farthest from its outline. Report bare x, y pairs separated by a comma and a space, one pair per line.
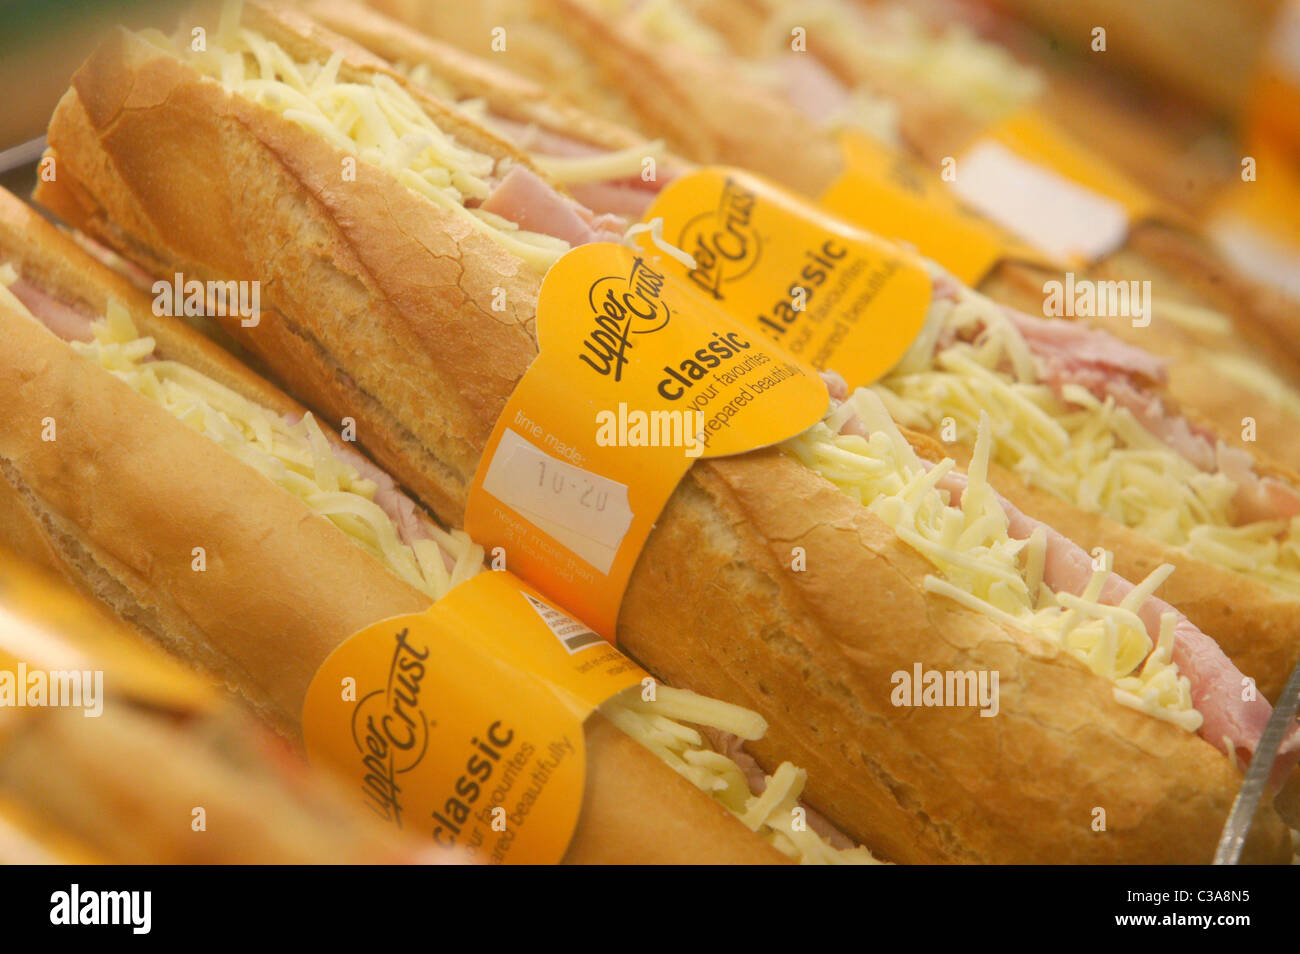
163, 443
1237, 558
949, 51
381, 313
1182, 155
111, 752
672, 74
947, 84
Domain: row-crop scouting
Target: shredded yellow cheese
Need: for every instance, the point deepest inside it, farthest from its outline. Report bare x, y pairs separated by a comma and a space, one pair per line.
373, 119
422, 75
605, 166
774, 813
1193, 317
984, 569
295, 456
1250, 374
1087, 451
299, 459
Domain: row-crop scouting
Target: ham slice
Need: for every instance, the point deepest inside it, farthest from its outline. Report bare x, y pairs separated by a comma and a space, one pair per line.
624, 198
838, 387
410, 521
544, 142
1066, 347
526, 199
628, 197
129, 270
66, 321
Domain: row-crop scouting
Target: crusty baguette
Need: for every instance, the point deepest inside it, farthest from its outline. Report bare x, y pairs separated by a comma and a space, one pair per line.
127, 784
125, 492
124, 783
695, 104
1258, 626
709, 112
507, 94
1185, 156
372, 269
1181, 264
1177, 153
934, 768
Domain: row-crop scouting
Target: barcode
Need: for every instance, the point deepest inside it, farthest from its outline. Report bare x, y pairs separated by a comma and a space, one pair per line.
567, 630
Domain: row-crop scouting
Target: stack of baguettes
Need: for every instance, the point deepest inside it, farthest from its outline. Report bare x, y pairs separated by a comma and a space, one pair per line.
138, 443
1205, 322
223, 163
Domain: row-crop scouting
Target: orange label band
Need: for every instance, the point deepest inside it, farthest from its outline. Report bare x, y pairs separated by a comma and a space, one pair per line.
464, 722
832, 295
898, 198
1270, 200
1273, 110
638, 374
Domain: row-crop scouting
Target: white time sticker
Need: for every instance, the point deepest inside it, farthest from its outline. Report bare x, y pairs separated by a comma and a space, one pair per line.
584, 511
1052, 213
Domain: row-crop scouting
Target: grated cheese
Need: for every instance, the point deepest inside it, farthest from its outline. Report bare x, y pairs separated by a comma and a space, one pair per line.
299, 459
984, 569
775, 813
294, 456
1085, 450
376, 120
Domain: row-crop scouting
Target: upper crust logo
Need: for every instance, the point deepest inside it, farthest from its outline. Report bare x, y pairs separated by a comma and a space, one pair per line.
723, 241
390, 729
622, 306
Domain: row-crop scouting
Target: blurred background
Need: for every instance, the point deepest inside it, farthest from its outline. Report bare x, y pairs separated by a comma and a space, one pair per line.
42, 42
1194, 69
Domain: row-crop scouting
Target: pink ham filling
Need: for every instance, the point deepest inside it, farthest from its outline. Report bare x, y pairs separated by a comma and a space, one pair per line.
72, 324
1230, 723
527, 200
67, 322
628, 198
1070, 352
